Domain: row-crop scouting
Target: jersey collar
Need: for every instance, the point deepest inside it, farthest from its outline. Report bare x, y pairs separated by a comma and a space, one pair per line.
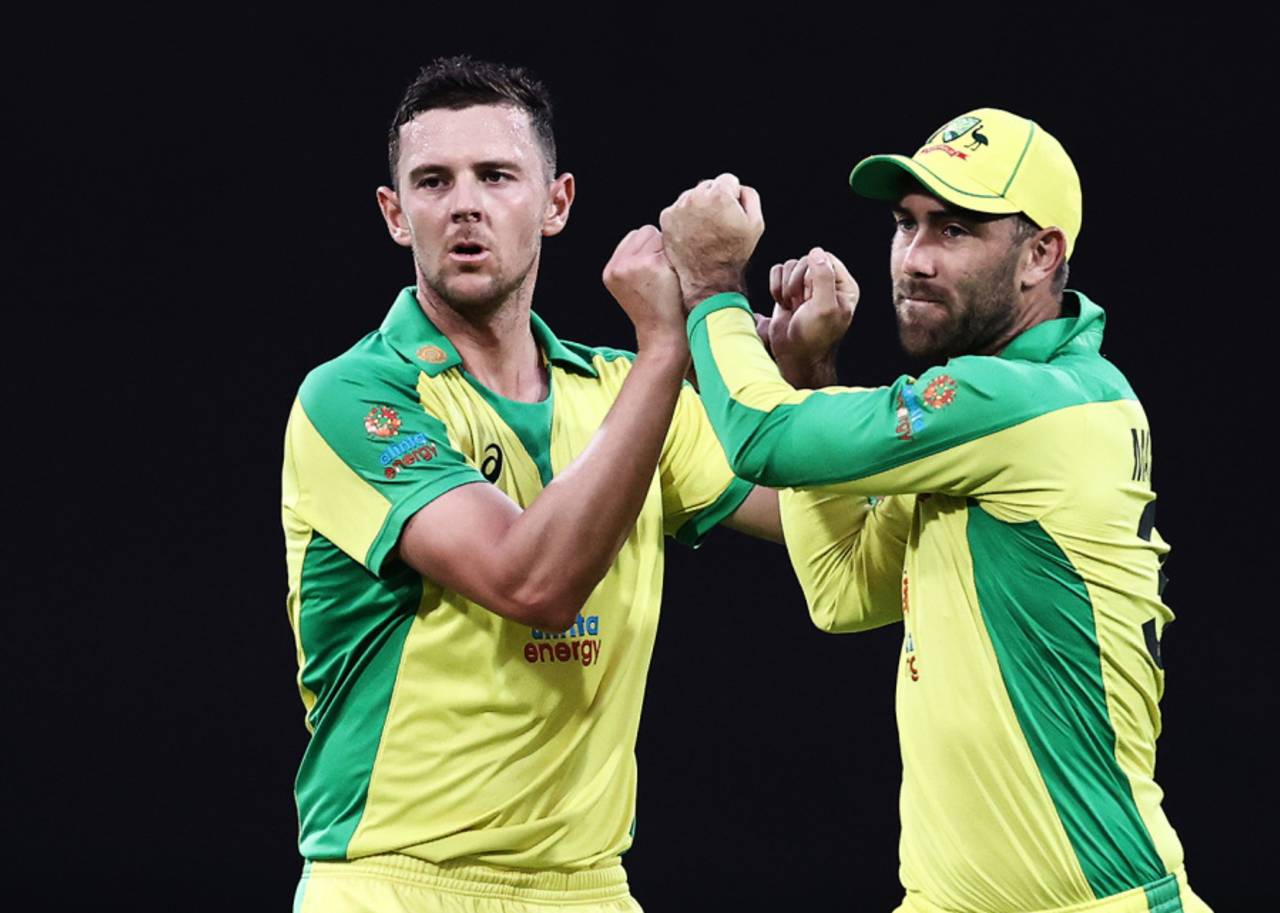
1044, 341
411, 333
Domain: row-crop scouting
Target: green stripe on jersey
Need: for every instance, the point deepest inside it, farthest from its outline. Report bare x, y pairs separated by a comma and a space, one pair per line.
695, 529
531, 423
1164, 896
1040, 620
355, 624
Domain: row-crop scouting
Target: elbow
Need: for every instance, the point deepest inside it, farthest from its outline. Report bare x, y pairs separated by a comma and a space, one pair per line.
825, 618
547, 609
750, 462
555, 617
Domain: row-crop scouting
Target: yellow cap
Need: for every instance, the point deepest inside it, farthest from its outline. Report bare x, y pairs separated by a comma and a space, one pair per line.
989, 161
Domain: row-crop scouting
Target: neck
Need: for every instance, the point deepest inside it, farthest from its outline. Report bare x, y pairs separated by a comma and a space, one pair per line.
496, 344
1035, 310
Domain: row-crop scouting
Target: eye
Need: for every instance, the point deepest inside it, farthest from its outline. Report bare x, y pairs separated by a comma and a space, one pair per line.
954, 231
431, 181
904, 224
494, 177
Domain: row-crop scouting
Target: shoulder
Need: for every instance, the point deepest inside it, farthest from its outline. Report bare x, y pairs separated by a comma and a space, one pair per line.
594, 354
369, 366
1033, 387
609, 364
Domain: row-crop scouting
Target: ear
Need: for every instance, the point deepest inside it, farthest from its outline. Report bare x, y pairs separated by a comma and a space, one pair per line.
559, 200
1044, 253
393, 215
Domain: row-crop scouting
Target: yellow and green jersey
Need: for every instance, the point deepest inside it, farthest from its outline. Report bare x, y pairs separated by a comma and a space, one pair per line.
439, 729
1001, 508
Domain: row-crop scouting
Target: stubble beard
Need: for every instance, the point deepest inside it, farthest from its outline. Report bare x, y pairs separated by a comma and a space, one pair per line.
978, 314
477, 305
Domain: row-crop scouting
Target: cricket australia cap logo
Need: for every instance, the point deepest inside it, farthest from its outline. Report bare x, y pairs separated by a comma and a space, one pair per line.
954, 130
382, 422
957, 128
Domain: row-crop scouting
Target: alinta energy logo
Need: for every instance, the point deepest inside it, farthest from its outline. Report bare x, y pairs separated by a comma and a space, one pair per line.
383, 423
579, 644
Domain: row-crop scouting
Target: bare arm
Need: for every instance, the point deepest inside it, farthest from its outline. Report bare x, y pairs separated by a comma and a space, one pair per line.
758, 515
537, 566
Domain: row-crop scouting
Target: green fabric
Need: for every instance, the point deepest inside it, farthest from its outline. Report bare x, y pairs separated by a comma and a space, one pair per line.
407, 329
1164, 896
339, 395
845, 435
695, 529
530, 421
352, 627
1039, 617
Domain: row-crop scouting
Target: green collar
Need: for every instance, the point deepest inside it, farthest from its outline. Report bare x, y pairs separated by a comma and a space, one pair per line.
411, 333
1045, 340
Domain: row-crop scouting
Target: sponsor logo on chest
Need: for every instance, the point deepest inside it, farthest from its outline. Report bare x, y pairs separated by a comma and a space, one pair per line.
580, 644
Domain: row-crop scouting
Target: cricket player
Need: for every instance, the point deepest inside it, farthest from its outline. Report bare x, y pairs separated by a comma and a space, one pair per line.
474, 512
999, 506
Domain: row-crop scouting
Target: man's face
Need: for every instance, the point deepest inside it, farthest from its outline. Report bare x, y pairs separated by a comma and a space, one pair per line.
473, 203
954, 272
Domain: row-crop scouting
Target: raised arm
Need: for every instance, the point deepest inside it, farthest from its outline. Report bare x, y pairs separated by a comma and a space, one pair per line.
537, 566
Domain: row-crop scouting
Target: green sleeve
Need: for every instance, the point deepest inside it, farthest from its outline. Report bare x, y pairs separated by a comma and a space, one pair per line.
901, 434
370, 455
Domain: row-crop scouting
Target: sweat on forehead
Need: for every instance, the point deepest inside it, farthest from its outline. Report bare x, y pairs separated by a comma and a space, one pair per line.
495, 133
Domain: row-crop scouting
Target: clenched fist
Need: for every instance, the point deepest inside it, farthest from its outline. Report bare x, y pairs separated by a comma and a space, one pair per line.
641, 279
710, 233
814, 300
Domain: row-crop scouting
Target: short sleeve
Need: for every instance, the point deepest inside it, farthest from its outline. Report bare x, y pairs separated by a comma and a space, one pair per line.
699, 489
362, 455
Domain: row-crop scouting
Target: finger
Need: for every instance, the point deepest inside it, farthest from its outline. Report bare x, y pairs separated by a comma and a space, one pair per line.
648, 239
794, 291
750, 200
775, 281
783, 280
729, 183
762, 328
624, 246
822, 280
847, 290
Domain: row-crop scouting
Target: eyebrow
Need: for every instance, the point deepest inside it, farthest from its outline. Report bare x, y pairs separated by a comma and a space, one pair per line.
954, 212
488, 165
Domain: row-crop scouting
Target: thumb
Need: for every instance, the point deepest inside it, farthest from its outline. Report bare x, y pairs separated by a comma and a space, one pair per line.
823, 276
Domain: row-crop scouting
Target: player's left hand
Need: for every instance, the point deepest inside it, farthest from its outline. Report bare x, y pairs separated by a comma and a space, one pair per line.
710, 232
814, 300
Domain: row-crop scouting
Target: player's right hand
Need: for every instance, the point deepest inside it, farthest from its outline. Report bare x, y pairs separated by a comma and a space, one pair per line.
642, 280
711, 231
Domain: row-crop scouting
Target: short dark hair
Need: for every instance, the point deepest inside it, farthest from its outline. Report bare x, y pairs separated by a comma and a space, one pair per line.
461, 82
1024, 228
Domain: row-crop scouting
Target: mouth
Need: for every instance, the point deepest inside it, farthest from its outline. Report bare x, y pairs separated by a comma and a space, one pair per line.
468, 252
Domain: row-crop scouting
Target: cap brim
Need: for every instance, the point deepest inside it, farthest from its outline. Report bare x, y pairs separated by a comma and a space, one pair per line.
888, 177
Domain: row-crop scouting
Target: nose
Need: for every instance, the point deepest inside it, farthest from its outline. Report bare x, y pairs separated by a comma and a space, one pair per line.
465, 205
917, 257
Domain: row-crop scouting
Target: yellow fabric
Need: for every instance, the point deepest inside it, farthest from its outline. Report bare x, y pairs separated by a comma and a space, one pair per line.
981, 830
393, 883
1134, 901
494, 743
992, 161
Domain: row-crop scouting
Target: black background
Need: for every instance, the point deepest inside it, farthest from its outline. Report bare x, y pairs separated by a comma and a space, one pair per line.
192, 227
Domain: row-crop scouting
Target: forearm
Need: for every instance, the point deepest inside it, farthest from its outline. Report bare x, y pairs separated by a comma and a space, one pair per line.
747, 399
848, 553
559, 548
